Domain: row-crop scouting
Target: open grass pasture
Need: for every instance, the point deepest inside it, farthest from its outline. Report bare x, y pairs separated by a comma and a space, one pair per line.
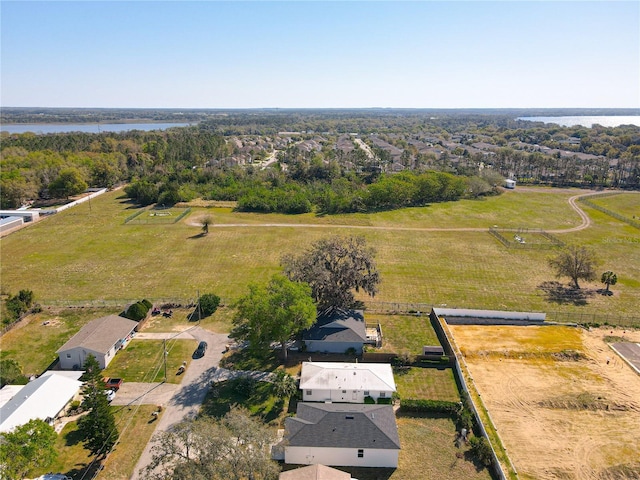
34, 341
404, 333
83, 254
141, 360
626, 204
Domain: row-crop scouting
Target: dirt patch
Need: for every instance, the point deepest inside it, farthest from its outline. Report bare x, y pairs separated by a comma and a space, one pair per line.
566, 414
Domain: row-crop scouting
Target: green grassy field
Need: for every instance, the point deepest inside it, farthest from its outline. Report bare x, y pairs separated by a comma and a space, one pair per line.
91, 255
626, 204
141, 360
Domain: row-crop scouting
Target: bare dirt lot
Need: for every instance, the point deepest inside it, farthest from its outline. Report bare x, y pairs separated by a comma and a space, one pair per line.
564, 404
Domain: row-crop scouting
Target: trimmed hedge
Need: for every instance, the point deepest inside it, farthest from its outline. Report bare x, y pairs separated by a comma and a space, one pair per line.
437, 406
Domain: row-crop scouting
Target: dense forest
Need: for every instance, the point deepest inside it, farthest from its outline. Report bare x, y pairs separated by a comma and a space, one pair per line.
328, 161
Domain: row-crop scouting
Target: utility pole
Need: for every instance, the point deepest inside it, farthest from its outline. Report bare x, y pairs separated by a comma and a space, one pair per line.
164, 349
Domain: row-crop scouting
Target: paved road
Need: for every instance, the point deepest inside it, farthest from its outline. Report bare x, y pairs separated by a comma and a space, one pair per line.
182, 402
630, 352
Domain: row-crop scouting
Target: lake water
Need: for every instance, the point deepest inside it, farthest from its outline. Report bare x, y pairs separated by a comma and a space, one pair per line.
588, 121
42, 128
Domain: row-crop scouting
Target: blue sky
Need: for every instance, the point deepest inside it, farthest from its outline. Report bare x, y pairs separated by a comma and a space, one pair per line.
308, 54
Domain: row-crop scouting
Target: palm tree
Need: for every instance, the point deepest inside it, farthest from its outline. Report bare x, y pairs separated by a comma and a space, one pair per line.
609, 278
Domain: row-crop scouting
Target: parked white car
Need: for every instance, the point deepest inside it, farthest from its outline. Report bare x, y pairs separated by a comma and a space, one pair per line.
111, 394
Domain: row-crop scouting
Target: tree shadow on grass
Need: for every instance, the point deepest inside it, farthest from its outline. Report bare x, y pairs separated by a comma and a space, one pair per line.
72, 438
565, 295
199, 235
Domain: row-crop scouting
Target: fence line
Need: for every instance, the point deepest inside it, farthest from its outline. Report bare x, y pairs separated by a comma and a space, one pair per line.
451, 349
393, 308
606, 211
554, 241
163, 221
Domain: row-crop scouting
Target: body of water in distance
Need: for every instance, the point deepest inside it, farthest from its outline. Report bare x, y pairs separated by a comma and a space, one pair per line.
43, 128
588, 121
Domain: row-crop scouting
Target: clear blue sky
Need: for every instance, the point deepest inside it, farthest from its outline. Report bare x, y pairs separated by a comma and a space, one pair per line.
240, 54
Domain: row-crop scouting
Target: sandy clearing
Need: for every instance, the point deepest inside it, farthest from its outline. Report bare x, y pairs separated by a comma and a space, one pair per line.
560, 419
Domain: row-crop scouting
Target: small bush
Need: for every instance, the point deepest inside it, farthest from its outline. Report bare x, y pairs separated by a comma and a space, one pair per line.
481, 450
244, 386
136, 311
350, 351
209, 304
146, 303
368, 400
384, 401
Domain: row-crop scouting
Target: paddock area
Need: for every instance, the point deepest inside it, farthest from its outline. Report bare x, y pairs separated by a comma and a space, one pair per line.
564, 404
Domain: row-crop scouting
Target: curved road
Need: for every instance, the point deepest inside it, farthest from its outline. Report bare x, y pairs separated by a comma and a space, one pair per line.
586, 222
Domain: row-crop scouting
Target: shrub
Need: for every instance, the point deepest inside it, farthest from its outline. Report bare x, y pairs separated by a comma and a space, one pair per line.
209, 304
481, 450
368, 400
384, 401
244, 386
432, 406
146, 303
137, 311
350, 351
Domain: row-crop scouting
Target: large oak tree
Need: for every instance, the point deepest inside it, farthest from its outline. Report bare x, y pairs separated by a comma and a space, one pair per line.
577, 263
335, 267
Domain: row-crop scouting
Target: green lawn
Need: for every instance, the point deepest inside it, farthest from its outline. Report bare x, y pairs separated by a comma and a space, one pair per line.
135, 431
427, 384
141, 360
404, 333
35, 341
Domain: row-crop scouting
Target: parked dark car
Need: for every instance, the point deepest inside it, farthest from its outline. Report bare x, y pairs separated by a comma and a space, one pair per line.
200, 351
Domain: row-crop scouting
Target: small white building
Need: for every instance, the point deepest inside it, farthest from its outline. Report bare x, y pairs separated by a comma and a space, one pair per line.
102, 338
43, 398
510, 184
346, 382
352, 435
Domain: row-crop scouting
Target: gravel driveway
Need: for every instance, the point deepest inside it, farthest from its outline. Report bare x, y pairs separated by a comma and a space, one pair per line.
180, 402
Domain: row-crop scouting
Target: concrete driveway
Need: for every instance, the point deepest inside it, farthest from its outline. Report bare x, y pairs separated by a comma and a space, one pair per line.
180, 402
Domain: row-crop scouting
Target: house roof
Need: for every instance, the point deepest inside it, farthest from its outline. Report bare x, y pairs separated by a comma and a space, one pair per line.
339, 425
347, 376
101, 334
42, 398
315, 472
338, 325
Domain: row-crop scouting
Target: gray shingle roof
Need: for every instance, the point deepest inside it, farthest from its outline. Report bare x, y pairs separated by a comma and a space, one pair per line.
100, 334
338, 325
343, 426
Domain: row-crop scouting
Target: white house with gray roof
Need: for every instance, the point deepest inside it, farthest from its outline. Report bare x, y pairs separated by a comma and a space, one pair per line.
102, 338
346, 382
43, 398
355, 435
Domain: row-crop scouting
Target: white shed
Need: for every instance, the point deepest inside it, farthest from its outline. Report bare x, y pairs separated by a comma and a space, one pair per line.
510, 184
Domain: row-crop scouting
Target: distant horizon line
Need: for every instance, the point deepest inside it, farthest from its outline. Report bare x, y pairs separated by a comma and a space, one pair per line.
636, 109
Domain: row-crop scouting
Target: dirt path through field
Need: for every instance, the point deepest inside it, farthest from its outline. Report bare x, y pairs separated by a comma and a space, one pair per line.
559, 416
585, 223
